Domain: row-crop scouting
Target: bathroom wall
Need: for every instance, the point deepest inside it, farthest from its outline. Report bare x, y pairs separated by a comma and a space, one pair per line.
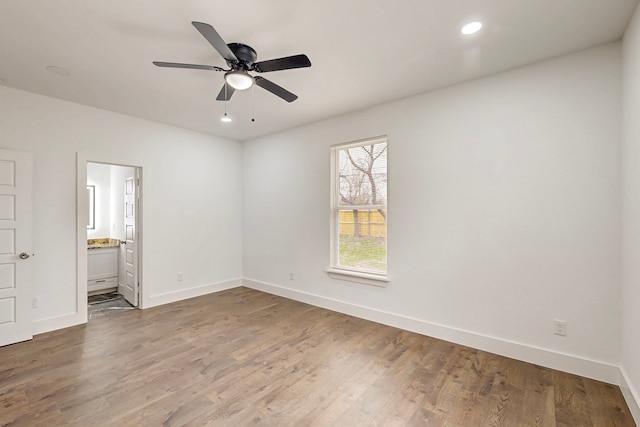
99, 175
109, 183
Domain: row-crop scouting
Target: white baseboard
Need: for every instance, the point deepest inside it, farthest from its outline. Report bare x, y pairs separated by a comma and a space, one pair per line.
563, 362
59, 322
197, 291
630, 395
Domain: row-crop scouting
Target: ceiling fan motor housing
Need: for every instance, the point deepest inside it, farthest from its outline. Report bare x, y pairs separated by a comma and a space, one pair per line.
245, 54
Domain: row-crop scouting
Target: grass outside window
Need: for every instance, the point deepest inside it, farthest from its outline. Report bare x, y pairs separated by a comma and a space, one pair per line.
363, 253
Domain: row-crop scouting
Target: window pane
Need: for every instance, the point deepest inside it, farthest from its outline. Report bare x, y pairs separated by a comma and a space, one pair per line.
362, 239
359, 202
363, 175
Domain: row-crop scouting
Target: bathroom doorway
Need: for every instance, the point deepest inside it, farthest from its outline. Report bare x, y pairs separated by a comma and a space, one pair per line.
109, 279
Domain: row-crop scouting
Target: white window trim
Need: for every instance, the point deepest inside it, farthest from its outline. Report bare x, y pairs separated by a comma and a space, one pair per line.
339, 272
381, 280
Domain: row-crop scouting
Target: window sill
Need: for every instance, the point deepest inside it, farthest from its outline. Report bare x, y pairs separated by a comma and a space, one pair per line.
358, 277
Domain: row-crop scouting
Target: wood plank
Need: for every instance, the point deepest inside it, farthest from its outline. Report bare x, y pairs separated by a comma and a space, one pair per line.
539, 410
604, 403
572, 407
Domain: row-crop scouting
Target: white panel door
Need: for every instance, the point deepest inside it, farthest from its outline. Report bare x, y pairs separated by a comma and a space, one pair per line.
16, 265
131, 241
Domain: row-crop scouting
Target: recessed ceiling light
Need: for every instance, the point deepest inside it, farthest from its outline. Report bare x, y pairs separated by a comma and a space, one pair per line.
225, 118
58, 70
471, 28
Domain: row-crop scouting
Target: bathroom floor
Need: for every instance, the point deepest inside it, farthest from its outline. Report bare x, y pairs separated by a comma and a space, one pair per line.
107, 304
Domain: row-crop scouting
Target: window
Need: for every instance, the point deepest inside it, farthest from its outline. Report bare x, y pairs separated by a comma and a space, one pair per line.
359, 208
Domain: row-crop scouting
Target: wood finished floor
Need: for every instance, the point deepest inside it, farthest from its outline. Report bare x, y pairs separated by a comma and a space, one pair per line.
242, 357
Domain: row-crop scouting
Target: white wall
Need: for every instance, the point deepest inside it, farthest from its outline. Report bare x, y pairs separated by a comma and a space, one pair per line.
191, 197
99, 175
631, 213
504, 210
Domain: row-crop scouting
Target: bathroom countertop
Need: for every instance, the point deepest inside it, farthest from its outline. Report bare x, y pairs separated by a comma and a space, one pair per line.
105, 242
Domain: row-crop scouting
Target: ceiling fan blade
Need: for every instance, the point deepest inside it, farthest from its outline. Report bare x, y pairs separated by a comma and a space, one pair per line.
212, 36
287, 63
275, 89
191, 66
225, 93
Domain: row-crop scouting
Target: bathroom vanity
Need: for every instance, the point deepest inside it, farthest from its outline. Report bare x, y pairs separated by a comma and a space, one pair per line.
102, 271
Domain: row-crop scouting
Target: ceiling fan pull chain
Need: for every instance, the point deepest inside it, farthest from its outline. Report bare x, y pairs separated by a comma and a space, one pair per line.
225, 118
253, 103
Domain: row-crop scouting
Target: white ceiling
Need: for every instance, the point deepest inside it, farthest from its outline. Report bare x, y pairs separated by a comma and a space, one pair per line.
363, 52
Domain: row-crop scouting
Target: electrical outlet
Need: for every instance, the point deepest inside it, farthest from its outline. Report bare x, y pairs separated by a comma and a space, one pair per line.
560, 327
291, 275
180, 276
34, 302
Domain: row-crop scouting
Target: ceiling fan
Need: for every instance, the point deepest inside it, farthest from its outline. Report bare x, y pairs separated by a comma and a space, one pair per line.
241, 59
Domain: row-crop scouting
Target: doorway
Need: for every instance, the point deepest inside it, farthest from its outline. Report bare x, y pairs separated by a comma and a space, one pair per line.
109, 237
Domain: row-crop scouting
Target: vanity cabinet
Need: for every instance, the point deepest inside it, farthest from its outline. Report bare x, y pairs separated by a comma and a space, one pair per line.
102, 271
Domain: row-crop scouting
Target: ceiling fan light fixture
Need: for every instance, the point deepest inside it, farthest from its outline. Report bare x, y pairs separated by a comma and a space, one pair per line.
238, 80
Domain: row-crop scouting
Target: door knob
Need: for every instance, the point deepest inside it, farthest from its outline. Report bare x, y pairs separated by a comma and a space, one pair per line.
24, 255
